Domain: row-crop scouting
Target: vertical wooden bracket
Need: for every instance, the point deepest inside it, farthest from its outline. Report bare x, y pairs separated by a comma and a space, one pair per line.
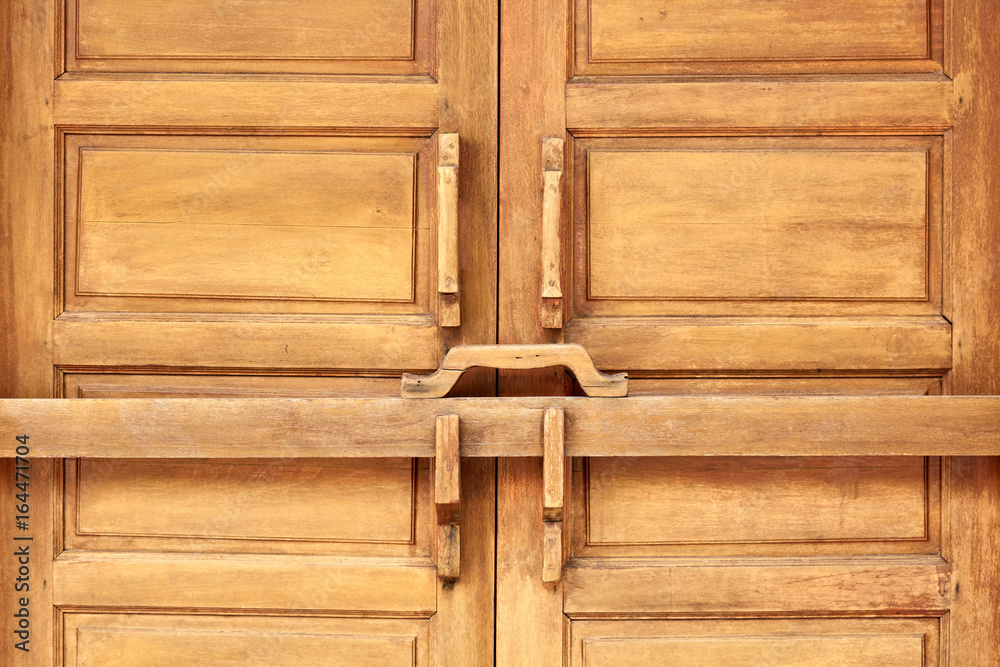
449, 313
552, 171
447, 496
553, 494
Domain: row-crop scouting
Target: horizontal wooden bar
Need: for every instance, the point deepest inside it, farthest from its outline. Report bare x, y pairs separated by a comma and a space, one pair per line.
391, 342
244, 581
776, 585
888, 103
771, 344
380, 427
246, 102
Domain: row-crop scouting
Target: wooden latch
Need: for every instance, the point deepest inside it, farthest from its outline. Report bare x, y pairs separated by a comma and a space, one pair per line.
447, 496
447, 464
553, 492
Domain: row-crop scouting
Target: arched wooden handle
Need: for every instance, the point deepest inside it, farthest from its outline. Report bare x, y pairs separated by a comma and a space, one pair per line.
515, 357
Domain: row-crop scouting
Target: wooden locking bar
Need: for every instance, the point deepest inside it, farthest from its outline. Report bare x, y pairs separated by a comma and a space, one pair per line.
634, 426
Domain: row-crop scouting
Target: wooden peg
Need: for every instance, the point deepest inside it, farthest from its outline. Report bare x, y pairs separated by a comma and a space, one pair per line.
447, 496
553, 492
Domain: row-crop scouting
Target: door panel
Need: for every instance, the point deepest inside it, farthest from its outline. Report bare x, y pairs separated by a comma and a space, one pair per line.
748, 231
646, 37
110, 640
781, 643
237, 199
759, 227
306, 36
694, 226
654, 506
270, 505
202, 221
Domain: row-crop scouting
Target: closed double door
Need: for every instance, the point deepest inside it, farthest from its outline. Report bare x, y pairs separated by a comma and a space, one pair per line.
255, 199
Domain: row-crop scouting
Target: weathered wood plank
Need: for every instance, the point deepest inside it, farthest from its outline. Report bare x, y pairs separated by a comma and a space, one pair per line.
776, 585
399, 342
404, 587
769, 104
639, 426
275, 104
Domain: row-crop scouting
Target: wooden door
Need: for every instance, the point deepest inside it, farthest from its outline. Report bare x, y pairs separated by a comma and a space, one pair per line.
240, 199
764, 198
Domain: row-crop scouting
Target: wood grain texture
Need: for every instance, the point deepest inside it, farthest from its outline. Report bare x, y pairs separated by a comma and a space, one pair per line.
468, 43
376, 507
552, 162
975, 308
160, 640
790, 386
330, 500
554, 488
449, 300
246, 223
408, 106
800, 642
756, 585
764, 344
392, 587
252, 30
534, 54
304, 36
642, 30
251, 342
259, 106
639, 426
795, 224
768, 106
676, 501
334, 188
447, 496
27, 176
849, 651
447, 195
515, 357
271, 225
138, 385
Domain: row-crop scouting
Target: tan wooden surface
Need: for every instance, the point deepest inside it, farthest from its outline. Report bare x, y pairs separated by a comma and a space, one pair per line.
448, 257
403, 587
552, 164
845, 642
553, 492
229, 190
695, 264
762, 586
515, 357
447, 496
641, 30
407, 107
392, 427
804, 224
688, 258
975, 512
112, 640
